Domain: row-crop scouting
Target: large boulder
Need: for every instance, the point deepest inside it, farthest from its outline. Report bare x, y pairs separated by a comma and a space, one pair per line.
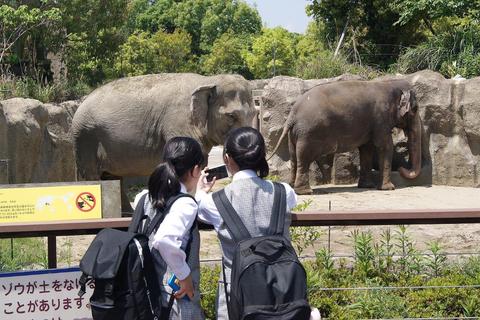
450, 111
35, 144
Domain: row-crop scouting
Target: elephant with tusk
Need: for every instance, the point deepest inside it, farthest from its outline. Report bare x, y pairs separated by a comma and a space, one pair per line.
120, 128
341, 116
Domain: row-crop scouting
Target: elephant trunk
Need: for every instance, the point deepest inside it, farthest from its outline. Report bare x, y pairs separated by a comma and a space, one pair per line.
414, 149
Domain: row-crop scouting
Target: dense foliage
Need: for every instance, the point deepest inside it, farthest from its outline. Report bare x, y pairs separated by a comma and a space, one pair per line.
97, 41
385, 277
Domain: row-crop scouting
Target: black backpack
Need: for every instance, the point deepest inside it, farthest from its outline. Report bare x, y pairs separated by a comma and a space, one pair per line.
267, 280
122, 268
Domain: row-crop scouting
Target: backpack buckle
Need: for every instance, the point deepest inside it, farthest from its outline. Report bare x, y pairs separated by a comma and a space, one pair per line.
108, 289
246, 252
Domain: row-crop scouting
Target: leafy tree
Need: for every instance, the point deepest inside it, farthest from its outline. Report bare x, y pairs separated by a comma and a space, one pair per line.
312, 42
18, 21
430, 10
204, 20
226, 56
91, 35
143, 53
273, 53
151, 16
228, 15
371, 33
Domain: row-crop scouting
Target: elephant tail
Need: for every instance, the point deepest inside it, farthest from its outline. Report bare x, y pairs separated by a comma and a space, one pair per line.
286, 128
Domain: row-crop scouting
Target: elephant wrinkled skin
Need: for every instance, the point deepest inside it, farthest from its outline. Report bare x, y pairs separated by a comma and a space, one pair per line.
120, 129
342, 116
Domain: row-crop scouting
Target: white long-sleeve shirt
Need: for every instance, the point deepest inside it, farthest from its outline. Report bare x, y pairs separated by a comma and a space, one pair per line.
174, 230
208, 212
176, 226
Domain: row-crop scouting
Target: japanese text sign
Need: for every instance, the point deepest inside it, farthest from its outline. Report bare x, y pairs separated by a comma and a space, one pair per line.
43, 295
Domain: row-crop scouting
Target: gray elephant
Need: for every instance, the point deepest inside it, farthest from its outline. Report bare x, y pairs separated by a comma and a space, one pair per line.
339, 117
120, 129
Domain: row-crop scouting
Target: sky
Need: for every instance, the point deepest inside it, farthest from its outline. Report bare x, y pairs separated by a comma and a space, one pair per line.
289, 14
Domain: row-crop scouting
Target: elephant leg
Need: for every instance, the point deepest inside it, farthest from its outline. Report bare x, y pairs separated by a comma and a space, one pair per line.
293, 160
326, 167
302, 179
385, 154
366, 163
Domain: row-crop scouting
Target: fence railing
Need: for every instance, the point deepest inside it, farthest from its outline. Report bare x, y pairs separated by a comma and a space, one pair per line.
53, 229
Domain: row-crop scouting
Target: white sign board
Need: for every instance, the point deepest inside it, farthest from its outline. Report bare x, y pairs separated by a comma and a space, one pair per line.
43, 295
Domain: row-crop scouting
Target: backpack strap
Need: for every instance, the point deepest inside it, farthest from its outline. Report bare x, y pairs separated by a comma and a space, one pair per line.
84, 278
138, 215
161, 214
279, 210
234, 224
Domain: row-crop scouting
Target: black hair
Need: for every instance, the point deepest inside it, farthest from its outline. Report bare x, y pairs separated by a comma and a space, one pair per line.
247, 147
180, 155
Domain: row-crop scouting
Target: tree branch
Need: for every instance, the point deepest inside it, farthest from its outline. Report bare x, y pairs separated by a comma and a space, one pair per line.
429, 25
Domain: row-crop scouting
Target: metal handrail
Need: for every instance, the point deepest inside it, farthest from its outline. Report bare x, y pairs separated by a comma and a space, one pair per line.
52, 229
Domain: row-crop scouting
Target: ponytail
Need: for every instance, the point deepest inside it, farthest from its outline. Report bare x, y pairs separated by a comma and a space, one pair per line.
247, 147
180, 155
163, 184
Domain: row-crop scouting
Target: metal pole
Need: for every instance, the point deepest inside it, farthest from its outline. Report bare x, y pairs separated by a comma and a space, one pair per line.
341, 38
329, 227
52, 252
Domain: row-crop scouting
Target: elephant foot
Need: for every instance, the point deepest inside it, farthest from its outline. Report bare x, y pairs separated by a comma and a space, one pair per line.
303, 190
387, 186
366, 184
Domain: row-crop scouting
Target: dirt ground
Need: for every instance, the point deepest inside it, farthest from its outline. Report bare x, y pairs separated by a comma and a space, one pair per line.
464, 238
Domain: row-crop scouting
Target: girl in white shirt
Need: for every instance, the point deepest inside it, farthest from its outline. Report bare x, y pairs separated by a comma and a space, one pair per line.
179, 173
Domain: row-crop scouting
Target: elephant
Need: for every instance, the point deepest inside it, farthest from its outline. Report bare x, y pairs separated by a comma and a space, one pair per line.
120, 129
342, 116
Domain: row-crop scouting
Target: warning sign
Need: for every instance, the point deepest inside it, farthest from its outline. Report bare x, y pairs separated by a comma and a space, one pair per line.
85, 201
44, 294
34, 204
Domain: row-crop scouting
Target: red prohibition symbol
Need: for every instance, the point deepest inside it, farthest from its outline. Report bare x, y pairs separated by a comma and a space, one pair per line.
85, 201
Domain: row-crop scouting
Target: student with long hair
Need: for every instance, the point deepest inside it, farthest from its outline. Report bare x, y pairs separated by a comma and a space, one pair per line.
250, 194
177, 234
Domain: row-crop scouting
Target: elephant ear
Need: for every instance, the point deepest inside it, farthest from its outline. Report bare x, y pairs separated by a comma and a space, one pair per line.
199, 104
404, 106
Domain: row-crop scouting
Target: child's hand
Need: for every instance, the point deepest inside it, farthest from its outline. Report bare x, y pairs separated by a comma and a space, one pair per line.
186, 288
203, 184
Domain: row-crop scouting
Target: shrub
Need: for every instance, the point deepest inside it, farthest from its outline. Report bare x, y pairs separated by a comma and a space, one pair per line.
325, 65
451, 52
55, 92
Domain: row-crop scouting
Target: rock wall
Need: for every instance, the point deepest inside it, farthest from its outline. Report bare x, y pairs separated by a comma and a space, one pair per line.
35, 144
450, 111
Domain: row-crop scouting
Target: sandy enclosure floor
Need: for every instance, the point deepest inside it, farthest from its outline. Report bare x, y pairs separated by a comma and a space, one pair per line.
464, 238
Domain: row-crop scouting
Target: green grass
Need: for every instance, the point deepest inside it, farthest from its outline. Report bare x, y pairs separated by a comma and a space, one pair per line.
30, 254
